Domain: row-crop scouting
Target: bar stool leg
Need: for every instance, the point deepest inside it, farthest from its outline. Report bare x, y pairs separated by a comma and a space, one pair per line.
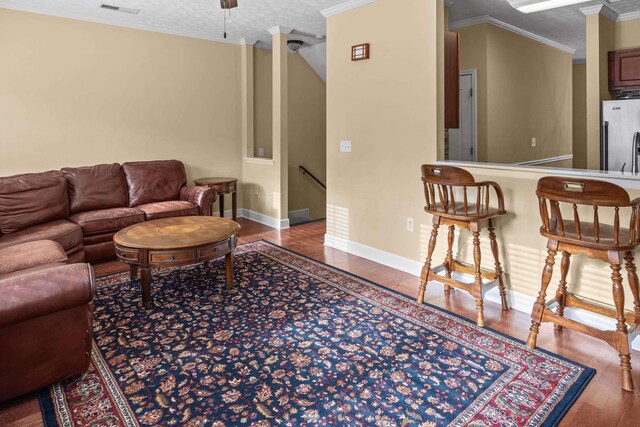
561, 294
478, 279
633, 283
538, 307
499, 272
448, 262
621, 325
426, 269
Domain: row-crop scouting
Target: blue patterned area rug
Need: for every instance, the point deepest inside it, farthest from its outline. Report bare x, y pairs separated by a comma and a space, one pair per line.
297, 342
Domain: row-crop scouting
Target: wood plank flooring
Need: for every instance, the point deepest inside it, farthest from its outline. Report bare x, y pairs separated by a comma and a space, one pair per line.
603, 403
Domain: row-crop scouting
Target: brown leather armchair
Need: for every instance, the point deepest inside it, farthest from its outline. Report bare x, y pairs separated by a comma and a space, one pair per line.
46, 317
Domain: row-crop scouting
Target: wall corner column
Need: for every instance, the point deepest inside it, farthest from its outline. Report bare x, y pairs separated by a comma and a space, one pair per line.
281, 115
247, 97
600, 25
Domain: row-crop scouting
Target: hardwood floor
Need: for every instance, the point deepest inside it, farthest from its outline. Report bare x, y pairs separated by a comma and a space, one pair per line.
603, 403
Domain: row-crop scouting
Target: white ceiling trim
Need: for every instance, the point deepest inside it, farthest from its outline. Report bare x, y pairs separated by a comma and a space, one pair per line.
344, 7
628, 16
248, 42
600, 9
117, 21
486, 19
279, 30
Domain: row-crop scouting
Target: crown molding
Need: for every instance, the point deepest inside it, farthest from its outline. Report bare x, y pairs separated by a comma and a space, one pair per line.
344, 7
279, 30
248, 42
628, 16
486, 19
600, 9
107, 20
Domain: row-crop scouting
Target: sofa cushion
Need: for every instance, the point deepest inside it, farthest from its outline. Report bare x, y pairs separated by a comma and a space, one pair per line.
168, 209
32, 199
107, 220
97, 187
66, 233
31, 254
154, 181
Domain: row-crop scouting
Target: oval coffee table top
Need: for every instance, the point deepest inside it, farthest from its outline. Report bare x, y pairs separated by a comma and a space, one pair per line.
176, 233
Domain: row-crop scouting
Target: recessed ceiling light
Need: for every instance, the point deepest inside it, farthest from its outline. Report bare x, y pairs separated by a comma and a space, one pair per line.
120, 9
528, 6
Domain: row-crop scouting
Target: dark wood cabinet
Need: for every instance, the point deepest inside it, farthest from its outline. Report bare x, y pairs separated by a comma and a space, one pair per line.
624, 70
451, 80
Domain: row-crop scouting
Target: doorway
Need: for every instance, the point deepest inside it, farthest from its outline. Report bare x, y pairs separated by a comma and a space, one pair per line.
463, 141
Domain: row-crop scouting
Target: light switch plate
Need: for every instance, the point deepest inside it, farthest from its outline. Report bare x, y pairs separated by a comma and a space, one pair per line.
260, 152
345, 146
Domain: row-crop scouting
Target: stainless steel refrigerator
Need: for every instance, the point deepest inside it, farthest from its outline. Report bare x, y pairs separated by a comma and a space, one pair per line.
620, 146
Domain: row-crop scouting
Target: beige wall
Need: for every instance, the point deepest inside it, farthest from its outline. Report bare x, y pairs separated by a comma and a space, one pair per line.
473, 55
628, 34
580, 116
307, 137
524, 91
529, 95
391, 121
76, 93
263, 96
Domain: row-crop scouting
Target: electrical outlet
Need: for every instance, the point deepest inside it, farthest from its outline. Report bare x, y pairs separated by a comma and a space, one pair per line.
260, 152
534, 142
345, 146
409, 224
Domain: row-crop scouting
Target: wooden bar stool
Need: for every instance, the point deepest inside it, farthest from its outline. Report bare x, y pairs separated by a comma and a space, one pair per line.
454, 198
596, 240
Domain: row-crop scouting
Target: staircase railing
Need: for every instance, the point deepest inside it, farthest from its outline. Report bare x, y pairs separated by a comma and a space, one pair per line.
305, 171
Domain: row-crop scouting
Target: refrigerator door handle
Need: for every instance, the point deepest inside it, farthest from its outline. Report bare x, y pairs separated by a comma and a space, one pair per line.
604, 147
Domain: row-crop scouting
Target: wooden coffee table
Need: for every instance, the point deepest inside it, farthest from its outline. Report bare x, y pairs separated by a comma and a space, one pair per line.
175, 241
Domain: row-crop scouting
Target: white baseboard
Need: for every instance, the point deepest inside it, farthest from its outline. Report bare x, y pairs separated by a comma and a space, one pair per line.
517, 300
264, 219
300, 213
381, 257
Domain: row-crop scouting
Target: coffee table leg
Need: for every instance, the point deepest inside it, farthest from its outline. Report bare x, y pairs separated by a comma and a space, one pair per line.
145, 286
228, 268
133, 272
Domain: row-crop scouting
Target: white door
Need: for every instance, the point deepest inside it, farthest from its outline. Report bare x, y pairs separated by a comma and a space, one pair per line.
462, 141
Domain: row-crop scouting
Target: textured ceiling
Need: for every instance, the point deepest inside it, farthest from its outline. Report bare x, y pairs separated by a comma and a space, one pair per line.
564, 25
250, 20
195, 18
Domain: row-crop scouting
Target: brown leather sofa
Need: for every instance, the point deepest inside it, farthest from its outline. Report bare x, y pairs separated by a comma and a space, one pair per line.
46, 317
82, 208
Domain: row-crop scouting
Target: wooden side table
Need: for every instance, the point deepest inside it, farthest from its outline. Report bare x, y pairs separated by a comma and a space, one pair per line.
222, 186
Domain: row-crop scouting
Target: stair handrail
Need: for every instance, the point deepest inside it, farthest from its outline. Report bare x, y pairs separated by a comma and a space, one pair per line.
305, 171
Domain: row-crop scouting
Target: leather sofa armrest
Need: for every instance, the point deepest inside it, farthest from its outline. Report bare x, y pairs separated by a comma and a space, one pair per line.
40, 291
23, 256
201, 196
